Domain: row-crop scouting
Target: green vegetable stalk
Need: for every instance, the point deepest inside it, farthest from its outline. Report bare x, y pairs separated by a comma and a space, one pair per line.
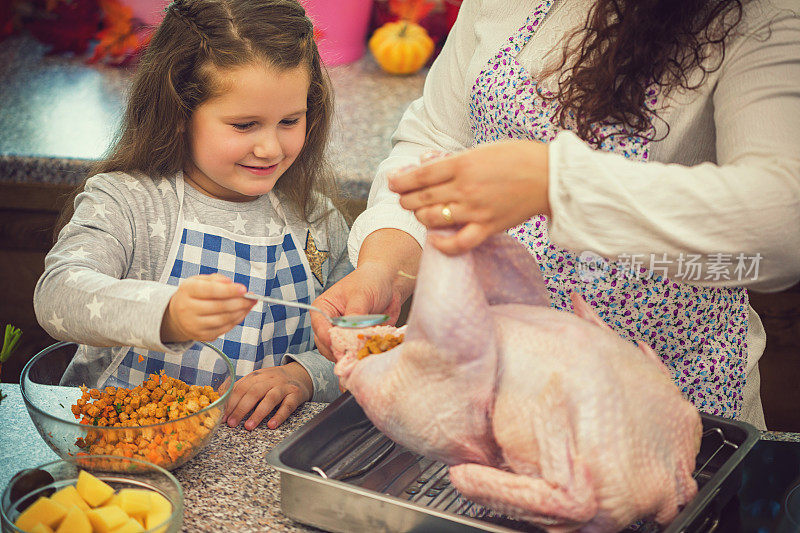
10, 342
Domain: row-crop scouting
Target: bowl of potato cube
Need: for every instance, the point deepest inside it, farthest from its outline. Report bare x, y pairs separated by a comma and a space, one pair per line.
161, 413
95, 497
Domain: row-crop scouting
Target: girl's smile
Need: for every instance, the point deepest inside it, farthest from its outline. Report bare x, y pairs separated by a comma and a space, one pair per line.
260, 170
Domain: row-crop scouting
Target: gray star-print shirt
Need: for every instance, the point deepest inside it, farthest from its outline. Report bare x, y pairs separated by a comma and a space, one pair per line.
100, 285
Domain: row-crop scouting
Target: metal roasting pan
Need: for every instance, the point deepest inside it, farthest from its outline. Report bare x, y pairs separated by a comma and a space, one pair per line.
340, 474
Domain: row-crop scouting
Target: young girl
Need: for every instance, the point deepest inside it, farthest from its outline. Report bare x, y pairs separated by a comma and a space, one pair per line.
214, 188
660, 136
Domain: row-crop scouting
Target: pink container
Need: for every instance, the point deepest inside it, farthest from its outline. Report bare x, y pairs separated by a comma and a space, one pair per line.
341, 28
148, 11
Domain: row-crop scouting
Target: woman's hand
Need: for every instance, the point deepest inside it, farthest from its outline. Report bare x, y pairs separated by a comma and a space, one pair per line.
487, 189
288, 385
203, 308
375, 286
367, 289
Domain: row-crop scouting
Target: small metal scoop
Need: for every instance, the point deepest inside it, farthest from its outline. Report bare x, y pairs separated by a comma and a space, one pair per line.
349, 321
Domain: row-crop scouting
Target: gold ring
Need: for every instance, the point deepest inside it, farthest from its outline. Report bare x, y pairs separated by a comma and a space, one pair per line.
447, 214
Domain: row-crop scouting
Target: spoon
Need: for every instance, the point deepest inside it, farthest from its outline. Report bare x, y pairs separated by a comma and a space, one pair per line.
27, 481
349, 321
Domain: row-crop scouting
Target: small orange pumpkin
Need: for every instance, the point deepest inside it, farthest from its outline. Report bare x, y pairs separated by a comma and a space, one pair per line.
401, 47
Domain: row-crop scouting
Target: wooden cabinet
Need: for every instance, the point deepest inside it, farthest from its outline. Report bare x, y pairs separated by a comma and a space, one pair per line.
780, 364
27, 217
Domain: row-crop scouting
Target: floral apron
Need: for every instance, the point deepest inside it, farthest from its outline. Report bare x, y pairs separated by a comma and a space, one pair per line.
699, 333
272, 266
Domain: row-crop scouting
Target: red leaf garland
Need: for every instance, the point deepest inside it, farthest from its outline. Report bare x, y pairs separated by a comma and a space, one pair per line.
67, 26
411, 10
73, 26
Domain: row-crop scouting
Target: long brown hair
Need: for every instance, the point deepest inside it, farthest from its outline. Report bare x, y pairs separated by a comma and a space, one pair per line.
176, 74
630, 46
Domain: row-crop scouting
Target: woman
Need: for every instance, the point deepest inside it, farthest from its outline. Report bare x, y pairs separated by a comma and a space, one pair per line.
653, 139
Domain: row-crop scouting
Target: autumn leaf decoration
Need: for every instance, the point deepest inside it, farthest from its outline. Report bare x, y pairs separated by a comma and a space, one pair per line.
411, 10
72, 26
63, 25
122, 36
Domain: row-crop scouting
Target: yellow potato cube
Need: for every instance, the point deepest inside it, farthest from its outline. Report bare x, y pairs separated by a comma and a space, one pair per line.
114, 500
69, 496
94, 491
160, 511
106, 519
155, 518
131, 526
135, 502
40, 528
43, 510
160, 503
75, 522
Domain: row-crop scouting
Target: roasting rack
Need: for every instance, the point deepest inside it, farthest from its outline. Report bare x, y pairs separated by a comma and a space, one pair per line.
341, 474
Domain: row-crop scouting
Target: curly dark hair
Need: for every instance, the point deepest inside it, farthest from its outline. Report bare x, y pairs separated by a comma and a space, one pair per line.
628, 47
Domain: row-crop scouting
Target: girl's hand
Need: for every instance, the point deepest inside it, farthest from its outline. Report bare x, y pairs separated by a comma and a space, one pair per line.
203, 308
487, 189
288, 386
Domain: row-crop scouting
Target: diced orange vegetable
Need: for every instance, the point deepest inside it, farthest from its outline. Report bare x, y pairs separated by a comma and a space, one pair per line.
159, 400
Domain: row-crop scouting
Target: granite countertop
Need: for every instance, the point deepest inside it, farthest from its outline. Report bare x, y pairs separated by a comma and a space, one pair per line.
228, 486
58, 115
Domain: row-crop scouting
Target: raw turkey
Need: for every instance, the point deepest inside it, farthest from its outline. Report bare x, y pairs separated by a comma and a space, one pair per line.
543, 415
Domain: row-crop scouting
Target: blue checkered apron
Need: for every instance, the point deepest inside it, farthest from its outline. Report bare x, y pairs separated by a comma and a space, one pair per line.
273, 266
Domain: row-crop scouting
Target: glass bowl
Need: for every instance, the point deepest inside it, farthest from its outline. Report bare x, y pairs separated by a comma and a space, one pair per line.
119, 472
52, 401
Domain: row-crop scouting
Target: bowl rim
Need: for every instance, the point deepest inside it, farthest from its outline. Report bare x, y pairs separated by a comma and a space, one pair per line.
31, 405
179, 505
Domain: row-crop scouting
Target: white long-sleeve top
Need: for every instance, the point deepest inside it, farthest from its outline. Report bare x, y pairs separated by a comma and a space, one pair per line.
725, 179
